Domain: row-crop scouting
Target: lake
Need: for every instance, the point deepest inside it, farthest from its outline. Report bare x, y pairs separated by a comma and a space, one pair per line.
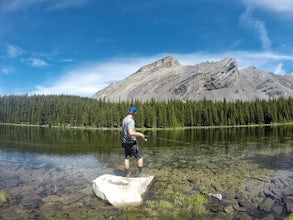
48, 172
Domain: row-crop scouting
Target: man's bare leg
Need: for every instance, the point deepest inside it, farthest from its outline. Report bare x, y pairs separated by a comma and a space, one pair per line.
126, 164
140, 165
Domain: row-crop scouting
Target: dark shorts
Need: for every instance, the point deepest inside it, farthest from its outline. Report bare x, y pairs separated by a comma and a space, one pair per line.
132, 150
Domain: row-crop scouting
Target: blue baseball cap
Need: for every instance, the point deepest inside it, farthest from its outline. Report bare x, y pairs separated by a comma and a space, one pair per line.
132, 110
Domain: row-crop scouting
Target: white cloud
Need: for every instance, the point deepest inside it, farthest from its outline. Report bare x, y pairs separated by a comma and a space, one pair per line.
13, 51
279, 69
7, 69
17, 5
279, 6
64, 4
34, 62
86, 80
37, 62
266, 61
258, 27
67, 60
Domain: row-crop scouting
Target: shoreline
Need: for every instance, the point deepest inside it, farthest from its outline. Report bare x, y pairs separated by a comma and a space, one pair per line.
144, 128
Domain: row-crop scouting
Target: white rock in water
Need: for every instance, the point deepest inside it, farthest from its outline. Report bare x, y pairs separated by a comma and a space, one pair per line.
121, 191
217, 196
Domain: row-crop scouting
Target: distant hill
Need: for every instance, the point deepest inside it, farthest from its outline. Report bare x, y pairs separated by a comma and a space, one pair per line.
166, 79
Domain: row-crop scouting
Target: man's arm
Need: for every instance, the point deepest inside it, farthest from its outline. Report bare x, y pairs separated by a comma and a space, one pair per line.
135, 133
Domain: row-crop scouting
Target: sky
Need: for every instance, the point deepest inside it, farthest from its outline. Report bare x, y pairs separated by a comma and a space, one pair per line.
77, 47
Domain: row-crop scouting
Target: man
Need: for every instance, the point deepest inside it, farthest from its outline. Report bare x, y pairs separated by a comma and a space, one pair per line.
129, 142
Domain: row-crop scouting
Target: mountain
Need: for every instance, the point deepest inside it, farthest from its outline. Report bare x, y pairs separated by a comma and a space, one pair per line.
167, 79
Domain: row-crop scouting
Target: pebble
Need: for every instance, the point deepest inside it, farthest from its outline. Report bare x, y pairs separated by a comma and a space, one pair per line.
229, 210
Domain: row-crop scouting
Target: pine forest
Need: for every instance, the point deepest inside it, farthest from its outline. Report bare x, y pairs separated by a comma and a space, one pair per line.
74, 111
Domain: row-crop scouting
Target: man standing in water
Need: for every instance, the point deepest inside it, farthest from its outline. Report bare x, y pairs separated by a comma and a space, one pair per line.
129, 142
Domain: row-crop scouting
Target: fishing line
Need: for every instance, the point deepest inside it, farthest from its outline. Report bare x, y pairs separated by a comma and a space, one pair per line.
166, 139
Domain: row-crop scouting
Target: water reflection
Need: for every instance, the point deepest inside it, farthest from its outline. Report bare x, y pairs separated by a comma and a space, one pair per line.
56, 141
72, 141
222, 136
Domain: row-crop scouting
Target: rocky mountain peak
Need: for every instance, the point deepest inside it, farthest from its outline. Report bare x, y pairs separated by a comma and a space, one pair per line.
166, 62
166, 79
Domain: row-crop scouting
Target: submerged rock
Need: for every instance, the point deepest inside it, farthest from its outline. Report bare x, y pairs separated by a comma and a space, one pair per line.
266, 205
122, 191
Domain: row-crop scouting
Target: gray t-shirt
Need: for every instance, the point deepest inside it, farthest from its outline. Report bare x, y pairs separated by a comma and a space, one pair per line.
127, 123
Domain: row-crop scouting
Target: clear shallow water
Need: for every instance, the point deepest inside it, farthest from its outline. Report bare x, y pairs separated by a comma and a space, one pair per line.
48, 171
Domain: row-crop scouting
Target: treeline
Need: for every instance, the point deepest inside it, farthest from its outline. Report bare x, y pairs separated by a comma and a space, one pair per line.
61, 110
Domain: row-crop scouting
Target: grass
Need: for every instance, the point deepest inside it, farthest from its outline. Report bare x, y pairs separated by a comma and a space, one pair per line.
175, 205
290, 217
3, 197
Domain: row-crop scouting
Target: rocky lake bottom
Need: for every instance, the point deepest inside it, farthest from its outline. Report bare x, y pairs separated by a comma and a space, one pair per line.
254, 181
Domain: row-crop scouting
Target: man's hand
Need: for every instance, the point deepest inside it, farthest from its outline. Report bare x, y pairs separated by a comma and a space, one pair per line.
145, 138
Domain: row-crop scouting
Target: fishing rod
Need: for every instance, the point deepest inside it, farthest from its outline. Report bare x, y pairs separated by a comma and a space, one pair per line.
166, 139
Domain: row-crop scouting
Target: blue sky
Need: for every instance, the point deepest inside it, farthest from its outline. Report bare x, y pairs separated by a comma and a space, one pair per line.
78, 47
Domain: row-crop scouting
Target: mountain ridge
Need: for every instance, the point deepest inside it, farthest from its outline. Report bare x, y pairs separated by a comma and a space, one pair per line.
167, 79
